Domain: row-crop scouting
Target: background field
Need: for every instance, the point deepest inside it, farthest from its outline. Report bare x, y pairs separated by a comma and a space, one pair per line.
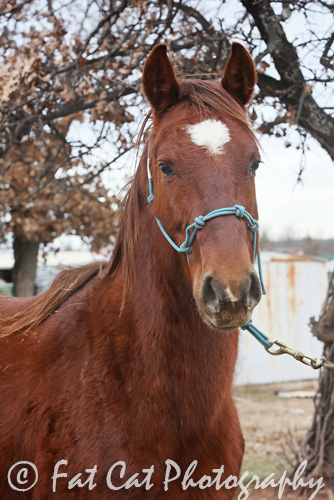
269, 424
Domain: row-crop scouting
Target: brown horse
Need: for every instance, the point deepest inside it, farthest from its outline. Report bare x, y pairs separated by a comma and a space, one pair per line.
124, 373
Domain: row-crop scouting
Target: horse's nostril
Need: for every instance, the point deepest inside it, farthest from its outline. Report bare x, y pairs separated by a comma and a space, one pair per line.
208, 294
213, 293
255, 291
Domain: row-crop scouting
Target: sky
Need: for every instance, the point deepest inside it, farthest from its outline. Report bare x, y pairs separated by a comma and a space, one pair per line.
290, 208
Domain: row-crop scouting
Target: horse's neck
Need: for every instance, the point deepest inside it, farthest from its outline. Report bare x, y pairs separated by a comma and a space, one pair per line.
161, 288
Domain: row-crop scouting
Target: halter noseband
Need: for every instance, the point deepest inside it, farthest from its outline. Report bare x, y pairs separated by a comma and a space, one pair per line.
186, 247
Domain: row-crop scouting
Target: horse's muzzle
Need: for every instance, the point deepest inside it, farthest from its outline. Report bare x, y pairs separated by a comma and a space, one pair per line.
230, 305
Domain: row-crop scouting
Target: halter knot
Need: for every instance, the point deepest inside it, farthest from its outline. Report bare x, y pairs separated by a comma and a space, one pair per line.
199, 222
185, 249
250, 322
239, 211
150, 198
254, 226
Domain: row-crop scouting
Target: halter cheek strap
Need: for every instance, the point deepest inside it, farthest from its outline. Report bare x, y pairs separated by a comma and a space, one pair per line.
186, 247
150, 197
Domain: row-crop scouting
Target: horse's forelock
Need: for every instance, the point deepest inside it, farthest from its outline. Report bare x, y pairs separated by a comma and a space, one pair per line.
209, 95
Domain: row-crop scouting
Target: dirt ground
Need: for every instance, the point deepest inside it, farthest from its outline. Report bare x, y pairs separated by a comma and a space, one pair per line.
272, 426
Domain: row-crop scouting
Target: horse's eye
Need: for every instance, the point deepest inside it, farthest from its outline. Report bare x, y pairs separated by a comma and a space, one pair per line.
254, 166
166, 169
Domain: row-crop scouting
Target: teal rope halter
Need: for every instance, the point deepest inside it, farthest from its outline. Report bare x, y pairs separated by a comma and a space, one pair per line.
199, 223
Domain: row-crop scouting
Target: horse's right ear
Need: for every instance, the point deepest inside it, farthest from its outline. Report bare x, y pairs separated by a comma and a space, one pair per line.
159, 82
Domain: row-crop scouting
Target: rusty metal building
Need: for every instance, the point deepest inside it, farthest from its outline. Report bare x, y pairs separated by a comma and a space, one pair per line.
296, 288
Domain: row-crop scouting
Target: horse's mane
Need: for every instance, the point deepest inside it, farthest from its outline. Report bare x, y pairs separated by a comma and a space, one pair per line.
203, 96
63, 286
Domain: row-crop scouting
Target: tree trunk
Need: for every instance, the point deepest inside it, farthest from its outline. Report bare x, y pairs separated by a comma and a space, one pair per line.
24, 271
318, 445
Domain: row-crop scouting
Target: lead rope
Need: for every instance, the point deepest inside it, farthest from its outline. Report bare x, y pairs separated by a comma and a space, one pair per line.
253, 225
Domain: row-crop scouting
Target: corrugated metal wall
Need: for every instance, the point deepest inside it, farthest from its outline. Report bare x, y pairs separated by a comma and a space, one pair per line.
296, 289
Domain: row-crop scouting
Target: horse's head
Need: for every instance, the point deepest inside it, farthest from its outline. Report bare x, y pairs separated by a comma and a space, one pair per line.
203, 157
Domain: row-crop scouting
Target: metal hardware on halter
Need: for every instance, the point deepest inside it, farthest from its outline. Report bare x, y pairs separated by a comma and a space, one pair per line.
307, 360
299, 356
199, 223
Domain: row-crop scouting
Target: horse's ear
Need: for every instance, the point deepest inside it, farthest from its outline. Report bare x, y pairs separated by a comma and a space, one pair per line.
159, 83
240, 75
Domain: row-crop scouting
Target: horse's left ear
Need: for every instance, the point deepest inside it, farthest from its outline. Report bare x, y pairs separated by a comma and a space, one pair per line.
159, 82
240, 75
